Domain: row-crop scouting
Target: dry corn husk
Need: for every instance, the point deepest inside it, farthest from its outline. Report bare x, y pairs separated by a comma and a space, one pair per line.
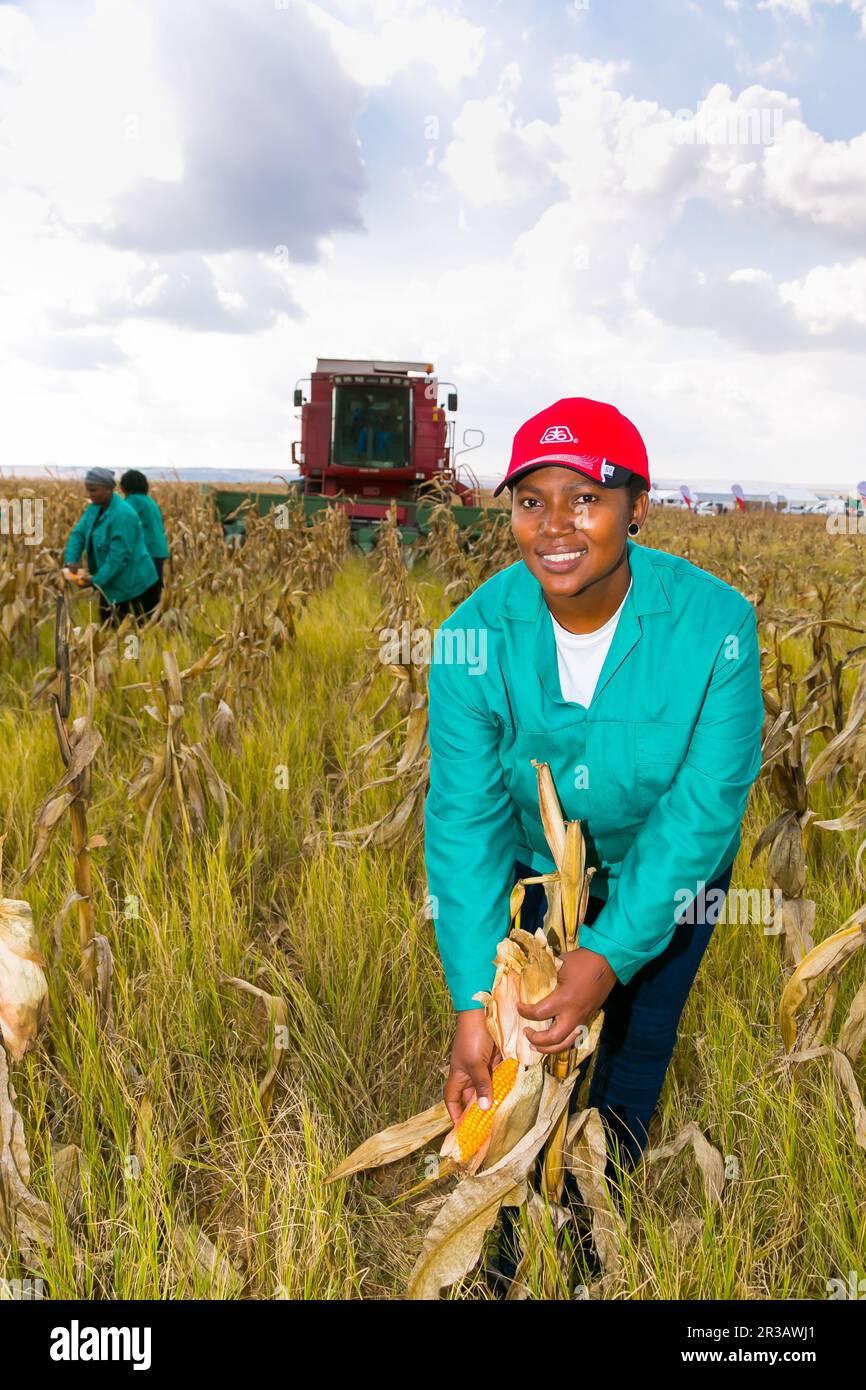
585, 1154
853, 1031
395, 1142
271, 1014
820, 966
525, 974
707, 1157
23, 1217
454, 1241
198, 1259
23, 986
533, 1116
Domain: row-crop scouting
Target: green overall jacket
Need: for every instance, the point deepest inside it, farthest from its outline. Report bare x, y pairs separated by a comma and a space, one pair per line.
114, 542
657, 768
151, 524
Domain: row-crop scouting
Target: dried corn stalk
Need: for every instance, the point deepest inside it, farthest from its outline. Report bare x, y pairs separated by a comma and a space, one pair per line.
788, 834
495, 1150
811, 991
177, 770
79, 744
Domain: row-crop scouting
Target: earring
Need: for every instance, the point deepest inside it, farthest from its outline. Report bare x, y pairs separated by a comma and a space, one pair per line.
633, 528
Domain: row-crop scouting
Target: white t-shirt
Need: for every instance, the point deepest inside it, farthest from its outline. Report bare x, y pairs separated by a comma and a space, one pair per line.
581, 656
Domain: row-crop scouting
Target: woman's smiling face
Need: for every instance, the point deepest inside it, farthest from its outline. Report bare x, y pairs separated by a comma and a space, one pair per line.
571, 531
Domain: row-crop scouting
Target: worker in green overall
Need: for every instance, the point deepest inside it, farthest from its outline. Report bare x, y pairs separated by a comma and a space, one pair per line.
636, 676
110, 534
135, 488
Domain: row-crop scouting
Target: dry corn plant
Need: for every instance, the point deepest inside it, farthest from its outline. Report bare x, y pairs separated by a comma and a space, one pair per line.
786, 742
95, 644
260, 625
848, 750
410, 768
23, 596
807, 1007
326, 547
495, 547
270, 1021
191, 520
493, 1151
283, 554
444, 543
24, 1220
275, 542
79, 744
401, 607
182, 597
826, 686
211, 660
181, 771
219, 722
788, 834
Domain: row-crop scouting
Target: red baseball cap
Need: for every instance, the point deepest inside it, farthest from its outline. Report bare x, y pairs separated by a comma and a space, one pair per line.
589, 436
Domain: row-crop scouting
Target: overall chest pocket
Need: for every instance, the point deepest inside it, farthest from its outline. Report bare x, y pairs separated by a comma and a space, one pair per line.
660, 750
564, 750
98, 542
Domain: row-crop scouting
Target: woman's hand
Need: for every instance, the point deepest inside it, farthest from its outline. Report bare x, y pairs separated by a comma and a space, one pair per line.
474, 1054
584, 981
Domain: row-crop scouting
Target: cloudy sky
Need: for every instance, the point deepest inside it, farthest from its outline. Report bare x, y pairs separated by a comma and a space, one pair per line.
660, 204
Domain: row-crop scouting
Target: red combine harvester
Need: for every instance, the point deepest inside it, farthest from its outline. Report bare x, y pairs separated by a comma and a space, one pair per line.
373, 432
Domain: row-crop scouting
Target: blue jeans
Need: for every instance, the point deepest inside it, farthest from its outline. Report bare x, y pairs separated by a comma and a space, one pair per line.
641, 1020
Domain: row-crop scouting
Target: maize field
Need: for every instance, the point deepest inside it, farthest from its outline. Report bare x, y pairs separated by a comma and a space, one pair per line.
218, 968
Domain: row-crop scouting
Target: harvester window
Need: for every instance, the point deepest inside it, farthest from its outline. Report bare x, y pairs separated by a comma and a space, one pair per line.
372, 426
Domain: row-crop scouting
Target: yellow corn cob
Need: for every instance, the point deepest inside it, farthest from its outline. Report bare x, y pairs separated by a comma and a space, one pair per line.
475, 1124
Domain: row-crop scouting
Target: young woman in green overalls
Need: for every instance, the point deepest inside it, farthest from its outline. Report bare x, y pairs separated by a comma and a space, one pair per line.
657, 765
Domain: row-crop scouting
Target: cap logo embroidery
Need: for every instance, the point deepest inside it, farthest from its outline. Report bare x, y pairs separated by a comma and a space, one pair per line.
557, 434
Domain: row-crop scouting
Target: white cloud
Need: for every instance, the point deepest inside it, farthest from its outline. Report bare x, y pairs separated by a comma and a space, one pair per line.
17, 41
74, 352
821, 180
620, 158
380, 38
492, 158
829, 298
804, 9
125, 136
226, 294
119, 128
266, 162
